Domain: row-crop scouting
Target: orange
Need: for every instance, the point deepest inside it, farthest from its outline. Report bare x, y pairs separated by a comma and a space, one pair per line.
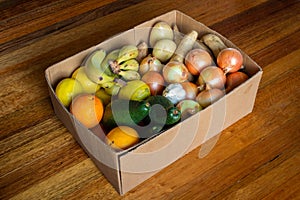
88, 109
122, 137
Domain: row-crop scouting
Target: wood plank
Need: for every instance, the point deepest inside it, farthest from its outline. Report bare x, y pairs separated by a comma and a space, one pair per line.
264, 184
256, 158
288, 190
62, 182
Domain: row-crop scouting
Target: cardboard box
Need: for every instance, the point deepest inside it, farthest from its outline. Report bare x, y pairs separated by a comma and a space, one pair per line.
127, 169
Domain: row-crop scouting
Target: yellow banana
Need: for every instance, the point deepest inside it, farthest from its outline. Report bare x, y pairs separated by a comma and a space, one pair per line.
111, 56
93, 67
111, 88
127, 52
130, 75
131, 64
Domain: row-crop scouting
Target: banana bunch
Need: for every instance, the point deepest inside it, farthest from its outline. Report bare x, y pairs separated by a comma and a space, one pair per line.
112, 88
95, 70
107, 69
126, 65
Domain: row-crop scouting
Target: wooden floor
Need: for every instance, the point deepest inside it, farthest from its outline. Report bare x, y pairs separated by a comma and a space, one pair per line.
256, 158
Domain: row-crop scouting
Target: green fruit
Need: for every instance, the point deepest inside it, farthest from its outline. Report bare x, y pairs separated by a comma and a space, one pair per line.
134, 90
124, 112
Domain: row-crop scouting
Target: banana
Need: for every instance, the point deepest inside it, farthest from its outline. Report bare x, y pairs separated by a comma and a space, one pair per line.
111, 88
131, 64
93, 67
130, 75
111, 56
127, 52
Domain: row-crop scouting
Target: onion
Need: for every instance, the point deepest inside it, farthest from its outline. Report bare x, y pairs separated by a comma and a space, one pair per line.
196, 60
175, 72
150, 63
188, 107
191, 90
176, 92
207, 97
212, 77
155, 81
230, 60
235, 79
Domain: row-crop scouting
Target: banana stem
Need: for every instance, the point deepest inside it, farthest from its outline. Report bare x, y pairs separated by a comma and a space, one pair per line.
115, 67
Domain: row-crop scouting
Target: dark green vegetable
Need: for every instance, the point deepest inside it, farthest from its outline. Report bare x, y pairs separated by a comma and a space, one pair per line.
163, 111
124, 112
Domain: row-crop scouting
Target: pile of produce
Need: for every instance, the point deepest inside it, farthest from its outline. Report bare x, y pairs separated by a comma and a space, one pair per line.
137, 91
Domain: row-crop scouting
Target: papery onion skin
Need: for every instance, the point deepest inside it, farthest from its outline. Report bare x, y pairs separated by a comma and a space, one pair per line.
175, 72
212, 77
191, 89
150, 63
188, 107
230, 60
174, 92
160, 30
208, 97
235, 79
164, 49
155, 81
196, 60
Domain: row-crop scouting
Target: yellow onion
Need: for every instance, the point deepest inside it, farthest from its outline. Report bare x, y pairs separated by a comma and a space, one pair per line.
207, 97
230, 60
175, 72
196, 60
235, 79
155, 81
176, 92
150, 63
212, 77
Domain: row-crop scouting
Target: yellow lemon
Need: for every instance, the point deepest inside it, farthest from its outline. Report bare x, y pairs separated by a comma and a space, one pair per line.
67, 89
122, 137
88, 85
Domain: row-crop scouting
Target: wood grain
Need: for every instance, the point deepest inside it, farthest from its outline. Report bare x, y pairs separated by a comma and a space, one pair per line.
258, 157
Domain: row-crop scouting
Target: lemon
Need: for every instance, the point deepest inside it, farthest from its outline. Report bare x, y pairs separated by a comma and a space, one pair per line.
122, 137
88, 85
67, 89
